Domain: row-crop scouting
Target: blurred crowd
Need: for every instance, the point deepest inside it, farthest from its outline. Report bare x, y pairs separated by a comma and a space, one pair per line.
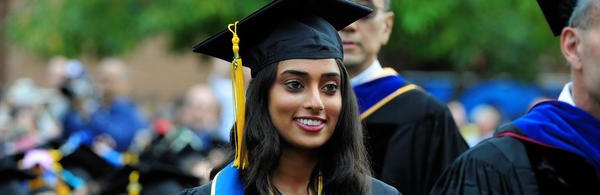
483, 119
79, 132
478, 125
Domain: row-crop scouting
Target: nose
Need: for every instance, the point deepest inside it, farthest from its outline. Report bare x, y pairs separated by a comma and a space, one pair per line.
314, 103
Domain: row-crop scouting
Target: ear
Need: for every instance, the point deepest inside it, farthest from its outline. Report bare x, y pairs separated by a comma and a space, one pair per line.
571, 46
387, 28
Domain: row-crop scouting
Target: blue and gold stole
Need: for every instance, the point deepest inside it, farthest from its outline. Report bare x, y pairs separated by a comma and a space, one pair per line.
561, 125
227, 181
374, 94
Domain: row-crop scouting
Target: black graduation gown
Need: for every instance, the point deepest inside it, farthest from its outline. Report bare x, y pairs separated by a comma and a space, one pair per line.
12, 177
411, 139
507, 165
377, 188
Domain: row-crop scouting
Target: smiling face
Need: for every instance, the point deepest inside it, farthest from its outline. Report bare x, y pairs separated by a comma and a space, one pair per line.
305, 101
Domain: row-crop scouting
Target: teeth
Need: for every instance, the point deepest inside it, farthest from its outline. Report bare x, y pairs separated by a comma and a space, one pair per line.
310, 122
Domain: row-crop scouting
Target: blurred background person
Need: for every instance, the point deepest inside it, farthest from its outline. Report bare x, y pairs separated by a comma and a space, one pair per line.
55, 77
194, 128
458, 112
220, 81
179, 144
485, 119
204, 112
78, 90
117, 119
26, 123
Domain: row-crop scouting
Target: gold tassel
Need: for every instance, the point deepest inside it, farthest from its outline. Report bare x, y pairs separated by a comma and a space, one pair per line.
130, 158
134, 187
61, 187
237, 82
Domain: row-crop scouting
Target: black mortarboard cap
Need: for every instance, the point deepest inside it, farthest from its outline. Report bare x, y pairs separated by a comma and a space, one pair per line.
11, 175
84, 159
557, 13
287, 29
9, 169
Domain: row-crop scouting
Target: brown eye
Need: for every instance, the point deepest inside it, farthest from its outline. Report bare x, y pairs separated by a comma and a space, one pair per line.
293, 85
330, 88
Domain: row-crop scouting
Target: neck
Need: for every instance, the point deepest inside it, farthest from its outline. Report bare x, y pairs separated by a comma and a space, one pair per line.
294, 170
583, 99
359, 68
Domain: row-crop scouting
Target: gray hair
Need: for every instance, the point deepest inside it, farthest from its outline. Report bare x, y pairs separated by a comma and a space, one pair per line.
583, 14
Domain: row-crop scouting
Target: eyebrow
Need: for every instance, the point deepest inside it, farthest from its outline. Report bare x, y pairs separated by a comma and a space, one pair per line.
330, 74
294, 72
304, 74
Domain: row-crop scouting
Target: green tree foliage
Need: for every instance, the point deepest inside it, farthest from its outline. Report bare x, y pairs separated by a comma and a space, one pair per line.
501, 36
114, 27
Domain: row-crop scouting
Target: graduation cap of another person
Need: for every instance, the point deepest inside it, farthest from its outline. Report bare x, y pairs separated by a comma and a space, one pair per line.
281, 30
147, 178
85, 163
557, 13
9, 168
11, 175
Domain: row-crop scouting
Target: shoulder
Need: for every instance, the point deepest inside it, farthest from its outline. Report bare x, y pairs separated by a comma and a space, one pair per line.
200, 190
498, 151
378, 187
424, 98
498, 164
418, 99
505, 157
411, 107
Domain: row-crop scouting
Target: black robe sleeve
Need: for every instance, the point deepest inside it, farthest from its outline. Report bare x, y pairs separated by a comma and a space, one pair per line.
507, 165
411, 140
496, 166
378, 187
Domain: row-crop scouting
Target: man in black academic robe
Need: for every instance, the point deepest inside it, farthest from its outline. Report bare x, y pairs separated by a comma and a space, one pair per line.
529, 157
411, 137
555, 147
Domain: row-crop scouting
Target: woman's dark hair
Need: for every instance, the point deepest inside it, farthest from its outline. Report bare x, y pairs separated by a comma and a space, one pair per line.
342, 159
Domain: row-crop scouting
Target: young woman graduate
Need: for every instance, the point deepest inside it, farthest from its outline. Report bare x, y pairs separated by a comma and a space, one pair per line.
301, 133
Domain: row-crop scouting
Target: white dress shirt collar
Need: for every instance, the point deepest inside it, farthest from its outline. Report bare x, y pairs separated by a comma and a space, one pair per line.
369, 73
565, 94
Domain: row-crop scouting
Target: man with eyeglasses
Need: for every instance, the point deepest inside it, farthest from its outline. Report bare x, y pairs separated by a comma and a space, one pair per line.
411, 136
